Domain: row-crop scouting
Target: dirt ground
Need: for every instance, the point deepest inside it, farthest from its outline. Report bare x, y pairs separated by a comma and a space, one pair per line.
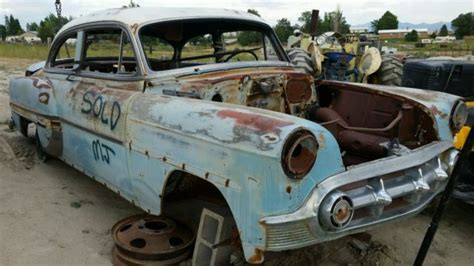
53, 214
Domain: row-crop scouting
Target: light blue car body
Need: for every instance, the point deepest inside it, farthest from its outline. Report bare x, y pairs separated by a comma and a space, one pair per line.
132, 139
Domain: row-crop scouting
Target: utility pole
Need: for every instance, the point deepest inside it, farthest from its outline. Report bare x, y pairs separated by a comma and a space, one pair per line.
58, 8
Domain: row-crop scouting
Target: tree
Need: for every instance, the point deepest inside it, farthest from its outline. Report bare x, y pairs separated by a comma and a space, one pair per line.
305, 19
32, 26
283, 29
433, 35
333, 21
411, 36
324, 25
463, 25
338, 22
12, 26
3, 32
387, 22
249, 37
131, 4
443, 31
253, 11
50, 25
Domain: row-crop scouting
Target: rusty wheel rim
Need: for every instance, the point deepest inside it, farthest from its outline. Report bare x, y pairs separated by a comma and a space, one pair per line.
147, 237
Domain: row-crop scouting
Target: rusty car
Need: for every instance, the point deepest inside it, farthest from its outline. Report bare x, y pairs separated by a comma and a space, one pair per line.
166, 104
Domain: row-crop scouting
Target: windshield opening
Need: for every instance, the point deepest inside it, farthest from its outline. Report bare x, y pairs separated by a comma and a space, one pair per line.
178, 44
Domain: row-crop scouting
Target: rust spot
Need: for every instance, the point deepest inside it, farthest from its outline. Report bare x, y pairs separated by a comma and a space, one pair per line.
42, 83
298, 90
435, 111
257, 257
341, 214
43, 97
227, 181
134, 27
321, 140
288, 189
255, 121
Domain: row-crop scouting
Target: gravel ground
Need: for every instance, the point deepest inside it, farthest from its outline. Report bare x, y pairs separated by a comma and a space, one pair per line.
52, 214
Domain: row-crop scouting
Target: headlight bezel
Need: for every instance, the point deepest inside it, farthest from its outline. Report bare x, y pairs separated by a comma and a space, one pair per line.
299, 154
458, 116
320, 40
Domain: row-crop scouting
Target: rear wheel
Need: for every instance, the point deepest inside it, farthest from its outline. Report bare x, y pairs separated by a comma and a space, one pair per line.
24, 126
42, 155
301, 59
389, 73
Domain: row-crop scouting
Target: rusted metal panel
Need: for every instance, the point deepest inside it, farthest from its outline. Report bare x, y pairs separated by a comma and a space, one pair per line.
437, 104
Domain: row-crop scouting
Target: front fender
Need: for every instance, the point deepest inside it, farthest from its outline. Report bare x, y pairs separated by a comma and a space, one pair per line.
237, 149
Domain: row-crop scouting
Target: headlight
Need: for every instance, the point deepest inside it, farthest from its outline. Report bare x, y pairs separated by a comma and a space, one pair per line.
299, 154
458, 116
321, 40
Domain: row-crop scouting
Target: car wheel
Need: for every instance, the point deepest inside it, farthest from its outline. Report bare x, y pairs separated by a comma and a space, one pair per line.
301, 59
389, 73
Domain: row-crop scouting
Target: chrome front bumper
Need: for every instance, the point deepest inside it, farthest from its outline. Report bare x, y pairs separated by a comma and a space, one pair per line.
379, 191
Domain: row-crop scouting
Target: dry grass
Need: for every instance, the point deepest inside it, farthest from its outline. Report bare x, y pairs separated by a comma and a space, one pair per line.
37, 52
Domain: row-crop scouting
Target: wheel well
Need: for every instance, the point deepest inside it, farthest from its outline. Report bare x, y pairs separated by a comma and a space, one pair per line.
184, 197
24, 126
182, 185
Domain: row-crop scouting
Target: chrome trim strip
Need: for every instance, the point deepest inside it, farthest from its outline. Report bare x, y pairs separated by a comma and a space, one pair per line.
360, 172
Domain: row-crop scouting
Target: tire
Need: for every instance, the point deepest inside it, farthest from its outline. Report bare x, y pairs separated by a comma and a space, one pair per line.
42, 155
389, 73
301, 59
24, 127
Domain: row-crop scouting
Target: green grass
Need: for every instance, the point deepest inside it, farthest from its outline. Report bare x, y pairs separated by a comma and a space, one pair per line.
39, 52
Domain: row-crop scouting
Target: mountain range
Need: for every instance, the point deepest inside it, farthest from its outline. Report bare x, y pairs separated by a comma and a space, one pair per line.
404, 25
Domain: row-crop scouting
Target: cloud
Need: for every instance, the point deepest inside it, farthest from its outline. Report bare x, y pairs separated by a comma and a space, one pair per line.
355, 11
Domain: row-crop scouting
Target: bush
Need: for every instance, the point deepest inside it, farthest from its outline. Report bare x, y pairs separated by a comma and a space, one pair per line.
412, 36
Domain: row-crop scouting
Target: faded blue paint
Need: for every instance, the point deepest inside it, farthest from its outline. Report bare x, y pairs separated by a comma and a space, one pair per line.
245, 169
190, 132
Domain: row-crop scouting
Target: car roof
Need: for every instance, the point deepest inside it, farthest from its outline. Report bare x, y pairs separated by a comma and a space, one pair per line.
140, 15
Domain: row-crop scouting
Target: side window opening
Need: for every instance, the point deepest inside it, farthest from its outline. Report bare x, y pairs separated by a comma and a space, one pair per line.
64, 57
109, 51
189, 43
159, 52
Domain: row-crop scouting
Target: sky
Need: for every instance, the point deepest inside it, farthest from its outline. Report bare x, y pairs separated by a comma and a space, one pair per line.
356, 11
